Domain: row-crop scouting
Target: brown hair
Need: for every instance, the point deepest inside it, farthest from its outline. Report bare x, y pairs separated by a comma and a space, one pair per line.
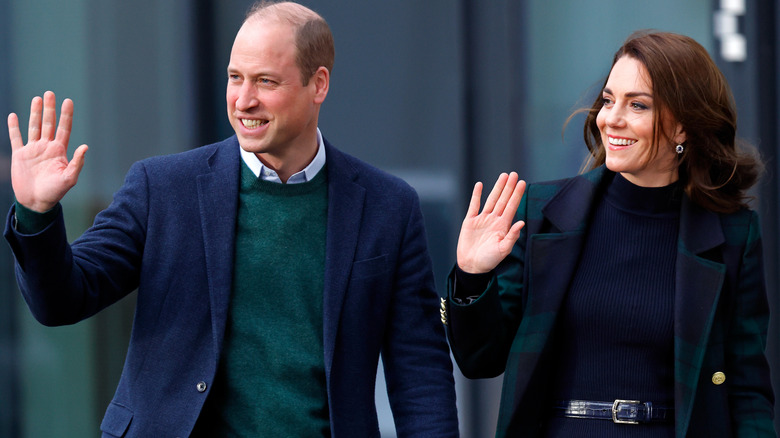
689, 87
313, 37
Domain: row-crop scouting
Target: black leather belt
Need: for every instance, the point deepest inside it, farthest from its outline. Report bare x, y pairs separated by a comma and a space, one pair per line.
619, 411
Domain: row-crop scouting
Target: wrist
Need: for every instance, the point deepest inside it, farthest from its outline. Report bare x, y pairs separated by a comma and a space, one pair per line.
36, 207
27, 221
470, 268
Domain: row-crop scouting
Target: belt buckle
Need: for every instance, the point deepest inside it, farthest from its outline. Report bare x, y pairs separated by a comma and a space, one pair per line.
615, 405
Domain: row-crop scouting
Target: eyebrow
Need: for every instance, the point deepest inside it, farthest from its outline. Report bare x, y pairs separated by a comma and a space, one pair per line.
631, 94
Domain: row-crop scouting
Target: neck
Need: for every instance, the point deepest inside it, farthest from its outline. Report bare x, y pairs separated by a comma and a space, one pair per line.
292, 160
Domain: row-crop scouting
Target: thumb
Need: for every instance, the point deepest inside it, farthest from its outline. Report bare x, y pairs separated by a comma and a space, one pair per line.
513, 234
77, 163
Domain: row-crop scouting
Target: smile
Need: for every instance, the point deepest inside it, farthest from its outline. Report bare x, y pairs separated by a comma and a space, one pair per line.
620, 141
252, 124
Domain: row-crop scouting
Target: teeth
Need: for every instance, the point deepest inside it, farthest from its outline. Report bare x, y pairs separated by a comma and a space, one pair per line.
620, 141
251, 124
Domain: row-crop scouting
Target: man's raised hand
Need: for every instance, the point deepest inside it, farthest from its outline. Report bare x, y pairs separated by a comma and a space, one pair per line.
41, 174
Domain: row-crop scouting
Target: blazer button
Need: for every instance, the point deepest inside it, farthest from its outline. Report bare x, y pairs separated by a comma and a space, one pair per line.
201, 386
718, 378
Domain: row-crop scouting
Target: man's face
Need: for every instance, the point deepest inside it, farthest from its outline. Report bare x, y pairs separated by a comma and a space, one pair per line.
271, 111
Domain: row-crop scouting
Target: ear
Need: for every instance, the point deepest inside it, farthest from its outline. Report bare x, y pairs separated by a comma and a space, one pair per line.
679, 134
321, 83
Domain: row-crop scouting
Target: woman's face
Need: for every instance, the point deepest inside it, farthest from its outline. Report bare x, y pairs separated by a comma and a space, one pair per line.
626, 124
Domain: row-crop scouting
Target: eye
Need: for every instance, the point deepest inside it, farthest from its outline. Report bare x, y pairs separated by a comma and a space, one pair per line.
606, 101
639, 106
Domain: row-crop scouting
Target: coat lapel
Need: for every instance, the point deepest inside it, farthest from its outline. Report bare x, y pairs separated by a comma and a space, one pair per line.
698, 284
553, 256
554, 250
218, 199
345, 211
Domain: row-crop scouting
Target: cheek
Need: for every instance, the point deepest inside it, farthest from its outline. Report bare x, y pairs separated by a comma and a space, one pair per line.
232, 93
230, 98
601, 120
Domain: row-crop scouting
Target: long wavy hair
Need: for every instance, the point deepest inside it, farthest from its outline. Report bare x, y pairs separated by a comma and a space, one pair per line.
715, 170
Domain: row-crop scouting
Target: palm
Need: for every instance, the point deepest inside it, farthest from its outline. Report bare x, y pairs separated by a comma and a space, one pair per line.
40, 171
487, 237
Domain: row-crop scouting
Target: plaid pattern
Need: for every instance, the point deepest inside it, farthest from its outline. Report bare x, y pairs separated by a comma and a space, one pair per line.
721, 315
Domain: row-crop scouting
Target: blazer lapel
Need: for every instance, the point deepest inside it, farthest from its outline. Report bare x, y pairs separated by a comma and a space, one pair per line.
218, 198
552, 256
345, 211
557, 217
698, 284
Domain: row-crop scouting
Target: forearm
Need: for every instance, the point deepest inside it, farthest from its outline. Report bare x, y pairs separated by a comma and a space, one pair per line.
416, 359
476, 330
43, 270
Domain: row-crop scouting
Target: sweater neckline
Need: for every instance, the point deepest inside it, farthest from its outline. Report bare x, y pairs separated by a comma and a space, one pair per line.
646, 201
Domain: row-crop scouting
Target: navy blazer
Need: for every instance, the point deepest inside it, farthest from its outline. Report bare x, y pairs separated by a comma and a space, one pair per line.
721, 315
170, 232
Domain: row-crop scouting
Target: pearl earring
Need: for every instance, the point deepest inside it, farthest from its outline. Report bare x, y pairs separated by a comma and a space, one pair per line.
680, 148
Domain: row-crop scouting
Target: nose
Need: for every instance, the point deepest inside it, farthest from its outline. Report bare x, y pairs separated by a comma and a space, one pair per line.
615, 116
247, 97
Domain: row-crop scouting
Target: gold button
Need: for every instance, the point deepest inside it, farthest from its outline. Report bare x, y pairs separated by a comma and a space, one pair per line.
718, 378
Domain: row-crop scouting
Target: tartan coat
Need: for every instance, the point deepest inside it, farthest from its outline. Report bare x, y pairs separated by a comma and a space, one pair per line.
170, 233
721, 314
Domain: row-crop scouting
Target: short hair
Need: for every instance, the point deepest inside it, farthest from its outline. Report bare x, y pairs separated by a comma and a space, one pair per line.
687, 85
313, 38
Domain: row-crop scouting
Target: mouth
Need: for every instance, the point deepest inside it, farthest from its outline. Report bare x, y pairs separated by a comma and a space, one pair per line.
253, 124
619, 141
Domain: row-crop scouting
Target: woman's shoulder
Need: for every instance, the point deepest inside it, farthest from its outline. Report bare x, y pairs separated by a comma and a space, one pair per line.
740, 226
588, 181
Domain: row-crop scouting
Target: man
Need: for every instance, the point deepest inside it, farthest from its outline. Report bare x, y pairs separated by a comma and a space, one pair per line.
271, 268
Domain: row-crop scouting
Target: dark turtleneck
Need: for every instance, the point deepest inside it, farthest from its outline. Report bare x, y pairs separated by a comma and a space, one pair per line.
615, 332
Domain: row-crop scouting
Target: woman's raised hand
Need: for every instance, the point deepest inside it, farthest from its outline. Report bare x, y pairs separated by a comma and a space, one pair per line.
487, 237
40, 171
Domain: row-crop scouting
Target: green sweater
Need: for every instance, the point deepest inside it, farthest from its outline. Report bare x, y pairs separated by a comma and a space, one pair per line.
271, 376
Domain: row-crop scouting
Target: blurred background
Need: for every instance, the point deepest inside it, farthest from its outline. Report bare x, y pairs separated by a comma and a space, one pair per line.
440, 92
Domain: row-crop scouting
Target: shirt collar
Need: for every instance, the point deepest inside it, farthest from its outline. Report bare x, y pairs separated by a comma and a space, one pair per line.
310, 171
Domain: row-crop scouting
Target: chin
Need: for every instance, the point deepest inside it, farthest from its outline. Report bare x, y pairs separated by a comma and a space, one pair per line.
614, 166
251, 146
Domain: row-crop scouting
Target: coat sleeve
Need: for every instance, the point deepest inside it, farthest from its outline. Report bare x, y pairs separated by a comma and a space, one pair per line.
481, 330
749, 387
416, 359
64, 283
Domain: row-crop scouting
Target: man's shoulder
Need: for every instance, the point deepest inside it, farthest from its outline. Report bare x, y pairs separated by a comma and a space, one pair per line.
344, 165
198, 157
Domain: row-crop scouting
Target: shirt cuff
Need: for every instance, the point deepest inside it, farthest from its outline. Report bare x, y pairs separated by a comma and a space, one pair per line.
469, 287
27, 221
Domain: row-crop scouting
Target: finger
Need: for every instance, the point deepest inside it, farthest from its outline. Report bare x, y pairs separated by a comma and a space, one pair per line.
76, 164
49, 116
476, 195
13, 132
506, 193
514, 200
34, 126
66, 122
490, 203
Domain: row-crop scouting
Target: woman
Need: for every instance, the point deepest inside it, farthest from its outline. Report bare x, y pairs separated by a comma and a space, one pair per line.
633, 293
